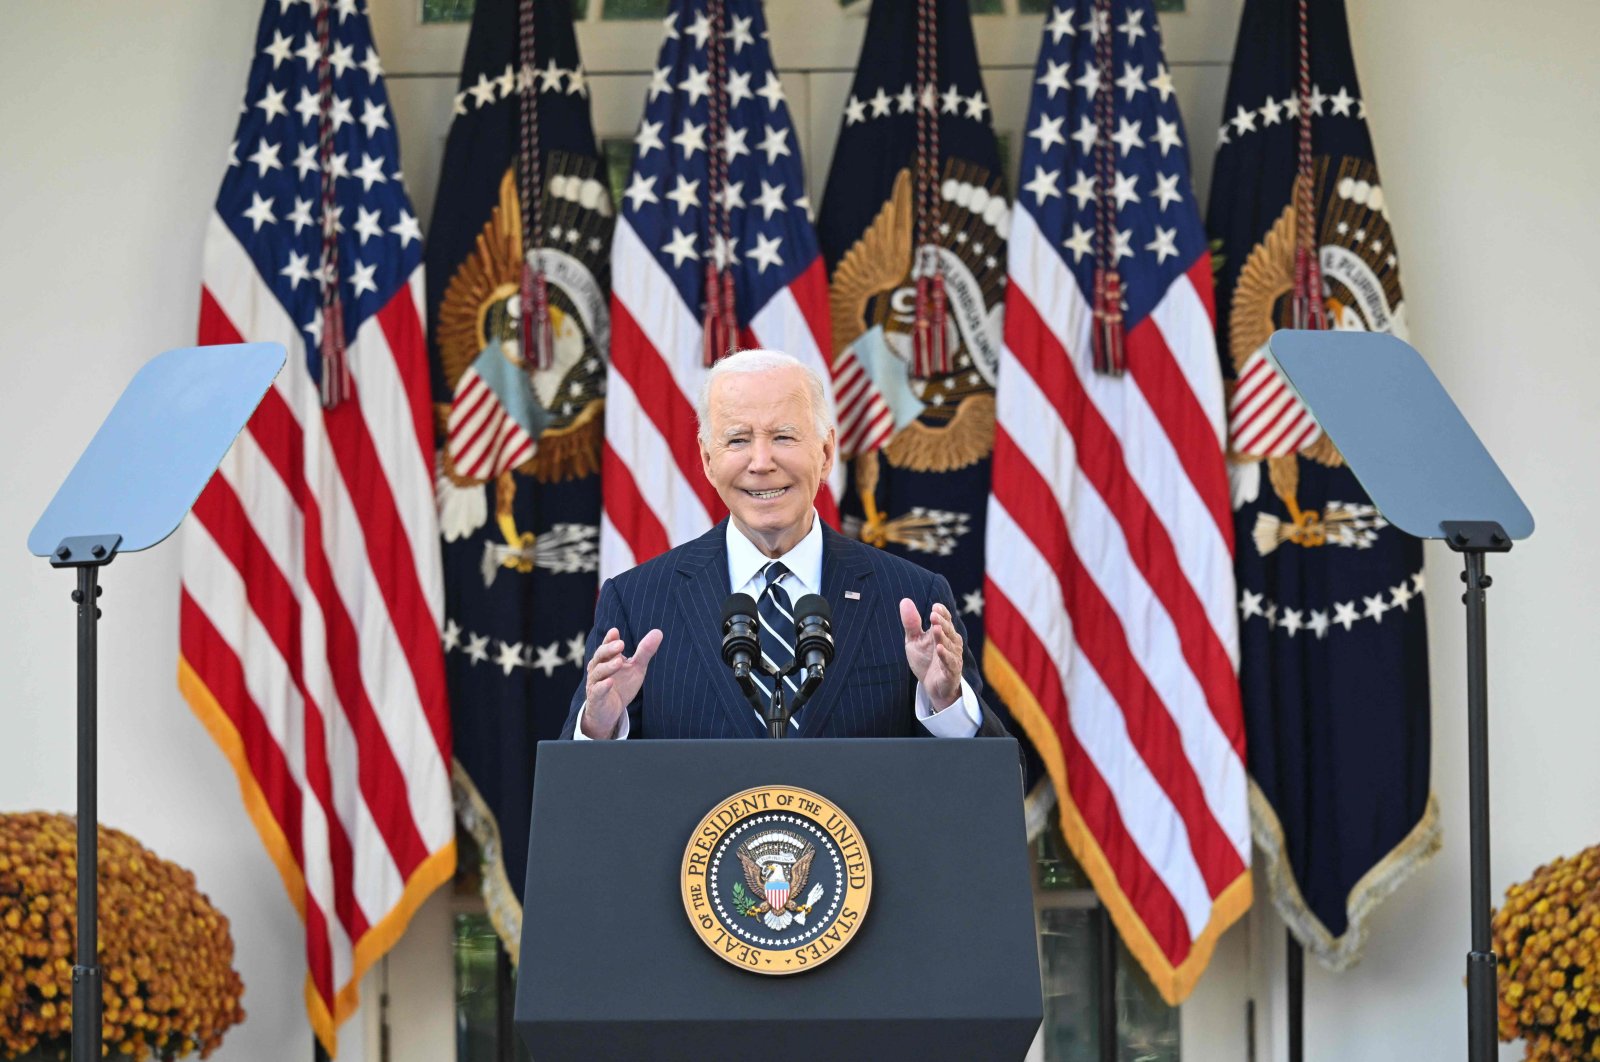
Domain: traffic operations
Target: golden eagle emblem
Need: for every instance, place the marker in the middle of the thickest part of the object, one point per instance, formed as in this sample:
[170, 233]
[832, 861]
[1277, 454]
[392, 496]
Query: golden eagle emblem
[944, 422]
[778, 884]
[504, 419]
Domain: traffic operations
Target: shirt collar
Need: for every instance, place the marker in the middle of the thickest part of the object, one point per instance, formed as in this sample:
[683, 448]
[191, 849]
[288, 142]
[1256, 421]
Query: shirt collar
[745, 561]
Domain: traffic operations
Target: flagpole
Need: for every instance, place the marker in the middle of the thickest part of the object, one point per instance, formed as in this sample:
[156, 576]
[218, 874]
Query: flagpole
[1295, 960]
[505, 1002]
[1107, 983]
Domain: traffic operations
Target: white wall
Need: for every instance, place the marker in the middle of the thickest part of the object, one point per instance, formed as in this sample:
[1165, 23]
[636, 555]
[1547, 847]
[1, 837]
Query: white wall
[114, 116]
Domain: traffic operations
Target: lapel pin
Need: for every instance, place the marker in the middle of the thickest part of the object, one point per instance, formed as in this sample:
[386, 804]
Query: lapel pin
[852, 595]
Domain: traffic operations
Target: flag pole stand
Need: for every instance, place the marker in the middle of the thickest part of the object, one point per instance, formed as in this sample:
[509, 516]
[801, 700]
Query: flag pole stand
[1474, 539]
[88, 554]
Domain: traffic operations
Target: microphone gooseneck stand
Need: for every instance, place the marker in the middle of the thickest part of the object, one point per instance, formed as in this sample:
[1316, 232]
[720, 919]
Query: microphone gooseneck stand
[741, 651]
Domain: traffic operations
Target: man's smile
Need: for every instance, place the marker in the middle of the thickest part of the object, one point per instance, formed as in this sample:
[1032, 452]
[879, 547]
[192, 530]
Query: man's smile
[764, 495]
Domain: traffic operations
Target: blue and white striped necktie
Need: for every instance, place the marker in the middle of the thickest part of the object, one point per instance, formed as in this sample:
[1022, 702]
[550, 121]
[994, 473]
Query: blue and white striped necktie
[777, 628]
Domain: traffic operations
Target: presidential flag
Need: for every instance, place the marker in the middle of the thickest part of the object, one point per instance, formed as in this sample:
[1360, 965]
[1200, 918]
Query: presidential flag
[1109, 590]
[1334, 665]
[519, 398]
[714, 250]
[312, 597]
[913, 230]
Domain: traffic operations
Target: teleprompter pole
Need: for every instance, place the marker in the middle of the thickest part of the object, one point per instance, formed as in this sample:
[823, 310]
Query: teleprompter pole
[1474, 539]
[86, 1002]
[88, 555]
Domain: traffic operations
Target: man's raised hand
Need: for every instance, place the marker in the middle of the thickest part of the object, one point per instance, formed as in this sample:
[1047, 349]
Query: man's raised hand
[613, 681]
[933, 654]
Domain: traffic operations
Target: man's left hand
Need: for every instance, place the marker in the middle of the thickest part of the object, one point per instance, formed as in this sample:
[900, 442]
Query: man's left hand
[935, 654]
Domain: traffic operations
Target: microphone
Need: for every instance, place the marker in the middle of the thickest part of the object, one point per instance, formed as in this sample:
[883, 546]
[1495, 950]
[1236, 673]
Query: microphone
[740, 647]
[813, 645]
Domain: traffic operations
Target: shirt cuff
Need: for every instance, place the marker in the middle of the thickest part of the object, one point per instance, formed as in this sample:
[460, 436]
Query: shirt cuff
[961, 719]
[622, 725]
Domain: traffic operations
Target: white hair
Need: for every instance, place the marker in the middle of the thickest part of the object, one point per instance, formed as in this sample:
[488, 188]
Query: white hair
[751, 361]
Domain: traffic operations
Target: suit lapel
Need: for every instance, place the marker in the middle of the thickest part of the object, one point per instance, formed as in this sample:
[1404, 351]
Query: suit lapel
[703, 581]
[844, 567]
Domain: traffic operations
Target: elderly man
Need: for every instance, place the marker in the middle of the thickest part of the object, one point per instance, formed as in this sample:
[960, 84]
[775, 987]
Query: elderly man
[766, 445]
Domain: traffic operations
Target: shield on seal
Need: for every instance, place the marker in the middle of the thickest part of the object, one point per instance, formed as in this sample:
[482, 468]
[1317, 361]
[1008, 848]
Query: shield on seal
[777, 890]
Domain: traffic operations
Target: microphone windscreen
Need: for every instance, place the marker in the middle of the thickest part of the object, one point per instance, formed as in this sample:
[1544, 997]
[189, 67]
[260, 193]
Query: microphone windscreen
[813, 605]
[739, 605]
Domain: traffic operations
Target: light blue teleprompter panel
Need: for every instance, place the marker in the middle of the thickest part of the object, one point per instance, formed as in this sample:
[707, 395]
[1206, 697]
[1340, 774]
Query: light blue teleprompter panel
[1400, 433]
[153, 455]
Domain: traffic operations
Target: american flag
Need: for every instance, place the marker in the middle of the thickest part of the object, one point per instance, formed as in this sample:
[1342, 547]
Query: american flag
[655, 493]
[312, 593]
[1109, 587]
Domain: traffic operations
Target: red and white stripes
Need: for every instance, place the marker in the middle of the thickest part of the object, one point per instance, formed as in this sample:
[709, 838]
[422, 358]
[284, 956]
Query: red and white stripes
[865, 421]
[1109, 601]
[1265, 419]
[481, 436]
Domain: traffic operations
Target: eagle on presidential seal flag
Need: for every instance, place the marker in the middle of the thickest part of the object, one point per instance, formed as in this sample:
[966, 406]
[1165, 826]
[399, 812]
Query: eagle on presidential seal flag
[1333, 639]
[913, 229]
[519, 322]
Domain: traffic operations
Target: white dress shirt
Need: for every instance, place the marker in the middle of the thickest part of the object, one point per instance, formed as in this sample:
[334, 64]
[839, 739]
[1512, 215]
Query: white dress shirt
[961, 718]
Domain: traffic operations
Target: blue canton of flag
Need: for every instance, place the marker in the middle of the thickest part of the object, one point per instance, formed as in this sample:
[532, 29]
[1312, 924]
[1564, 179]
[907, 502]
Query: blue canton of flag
[1157, 235]
[734, 203]
[772, 241]
[271, 195]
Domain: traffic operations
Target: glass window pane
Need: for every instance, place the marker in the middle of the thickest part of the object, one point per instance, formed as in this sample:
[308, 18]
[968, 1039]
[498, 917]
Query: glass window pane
[477, 1002]
[461, 10]
[618, 152]
[1067, 953]
[1147, 1029]
[1057, 868]
[624, 9]
[1069, 948]
[446, 11]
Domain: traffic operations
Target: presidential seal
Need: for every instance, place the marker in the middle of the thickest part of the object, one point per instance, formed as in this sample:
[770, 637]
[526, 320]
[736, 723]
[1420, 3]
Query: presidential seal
[776, 880]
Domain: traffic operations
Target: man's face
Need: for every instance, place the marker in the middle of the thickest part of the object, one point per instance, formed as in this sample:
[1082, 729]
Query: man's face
[763, 454]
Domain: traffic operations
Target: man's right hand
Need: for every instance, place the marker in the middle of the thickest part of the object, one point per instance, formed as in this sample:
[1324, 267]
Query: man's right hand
[614, 681]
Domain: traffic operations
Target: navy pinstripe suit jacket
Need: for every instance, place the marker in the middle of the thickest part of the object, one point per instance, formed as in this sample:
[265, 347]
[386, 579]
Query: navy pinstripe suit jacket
[689, 692]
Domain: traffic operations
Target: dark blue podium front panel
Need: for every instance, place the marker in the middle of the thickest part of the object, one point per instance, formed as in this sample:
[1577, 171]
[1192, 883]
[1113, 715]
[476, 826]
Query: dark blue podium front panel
[944, 965]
